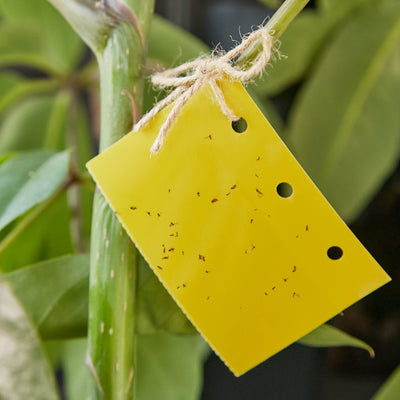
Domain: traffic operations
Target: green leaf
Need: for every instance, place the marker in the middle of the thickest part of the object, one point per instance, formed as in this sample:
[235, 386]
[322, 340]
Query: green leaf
[25, 89]
[268, 109]
[29, 178]
[271, 3]
[25, 125]
[59, 308]
[50, 30]
[156, 310]
[328, 6]
[8, 82]
[47, 237]
[329, 336]
[169, 367]
[301, 45]
[309, 30]
[345, 128]
[171, 45]
[391, 388]
[24, 371]
[55, 295]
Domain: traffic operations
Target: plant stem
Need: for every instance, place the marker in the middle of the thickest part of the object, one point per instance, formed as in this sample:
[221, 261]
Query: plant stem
[117, 35]
[286, 13]
[276, 26]
[111, 345]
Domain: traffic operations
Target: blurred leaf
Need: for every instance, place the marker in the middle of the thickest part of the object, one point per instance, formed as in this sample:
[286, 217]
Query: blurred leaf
[51, 30]
[329, 336]
[20, 44]
[55, 295]
[156, 310]
[268, 109]
[271, 3]
[47, 237]
[169, 367]
[25, 125]
[391, 388]
[83, 146]
[24, 89]
[59, 308]
[76, 372]
[8, 82]
[170, 45]
[24, 371]
[56, 127]
[328, 6]
[352, 96]
[299, 44]
[29, 178]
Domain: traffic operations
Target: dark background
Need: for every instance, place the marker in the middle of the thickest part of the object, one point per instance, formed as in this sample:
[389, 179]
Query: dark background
[301, 372]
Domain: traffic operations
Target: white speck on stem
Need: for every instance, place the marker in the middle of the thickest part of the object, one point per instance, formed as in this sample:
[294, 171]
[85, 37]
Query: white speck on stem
[125, 307]
[112, 273]
[117, 366]
[102, 327]
[127, 52]
[122, 256]
[107, 243]
[111, 331]
[105, 232]
[97, 255]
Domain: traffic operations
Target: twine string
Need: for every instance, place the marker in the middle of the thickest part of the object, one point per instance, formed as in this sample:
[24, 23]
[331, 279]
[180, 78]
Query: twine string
[189, 77]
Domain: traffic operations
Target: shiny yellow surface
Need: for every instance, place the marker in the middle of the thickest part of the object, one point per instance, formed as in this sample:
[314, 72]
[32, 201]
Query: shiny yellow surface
[249, 267]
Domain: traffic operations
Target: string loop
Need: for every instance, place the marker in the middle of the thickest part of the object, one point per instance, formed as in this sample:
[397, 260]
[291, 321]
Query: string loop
[188, 78]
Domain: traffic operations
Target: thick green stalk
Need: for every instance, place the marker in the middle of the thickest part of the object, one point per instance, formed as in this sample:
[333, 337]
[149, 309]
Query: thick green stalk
[117, 34]
[111, 348]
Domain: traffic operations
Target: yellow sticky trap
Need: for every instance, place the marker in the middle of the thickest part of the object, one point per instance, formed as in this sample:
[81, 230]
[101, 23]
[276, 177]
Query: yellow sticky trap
[234, 228]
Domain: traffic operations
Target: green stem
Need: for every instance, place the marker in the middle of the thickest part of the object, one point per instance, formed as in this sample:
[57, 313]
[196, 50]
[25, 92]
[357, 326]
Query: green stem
[286, 13]
[276, 26]
[111, 339]
[117, 34]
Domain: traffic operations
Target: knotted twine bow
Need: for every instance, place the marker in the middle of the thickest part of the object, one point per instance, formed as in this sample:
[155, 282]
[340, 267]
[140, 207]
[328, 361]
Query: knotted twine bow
[188, 78]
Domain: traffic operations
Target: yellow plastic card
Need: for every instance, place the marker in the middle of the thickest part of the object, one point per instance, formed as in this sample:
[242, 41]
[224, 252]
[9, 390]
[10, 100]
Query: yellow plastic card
[234, 228]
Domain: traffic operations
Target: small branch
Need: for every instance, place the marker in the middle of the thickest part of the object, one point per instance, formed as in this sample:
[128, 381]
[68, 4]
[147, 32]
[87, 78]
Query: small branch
[276, 26]
[286, 13]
